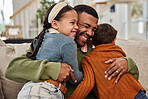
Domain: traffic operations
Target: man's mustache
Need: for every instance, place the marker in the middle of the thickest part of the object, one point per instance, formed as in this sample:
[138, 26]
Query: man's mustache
[83, 33]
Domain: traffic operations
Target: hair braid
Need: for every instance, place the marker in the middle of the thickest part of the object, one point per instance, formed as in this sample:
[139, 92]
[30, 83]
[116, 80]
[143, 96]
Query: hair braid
[40, 38]
[37, 37]
[35, 50]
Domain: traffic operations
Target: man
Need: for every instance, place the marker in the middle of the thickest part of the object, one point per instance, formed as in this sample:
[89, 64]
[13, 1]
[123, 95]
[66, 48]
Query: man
[22, 69]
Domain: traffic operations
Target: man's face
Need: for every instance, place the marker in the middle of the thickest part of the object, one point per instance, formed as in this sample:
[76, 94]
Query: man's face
[87, 26]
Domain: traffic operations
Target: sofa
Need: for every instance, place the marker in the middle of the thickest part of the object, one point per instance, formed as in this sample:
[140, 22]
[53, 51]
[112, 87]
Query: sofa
[136, 49]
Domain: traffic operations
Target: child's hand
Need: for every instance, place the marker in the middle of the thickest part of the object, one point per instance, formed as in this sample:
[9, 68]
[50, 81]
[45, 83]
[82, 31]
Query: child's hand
[73, 77]
[65, 73]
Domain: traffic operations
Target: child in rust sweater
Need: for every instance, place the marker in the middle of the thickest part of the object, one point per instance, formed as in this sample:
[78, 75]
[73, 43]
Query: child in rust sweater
[93, 66]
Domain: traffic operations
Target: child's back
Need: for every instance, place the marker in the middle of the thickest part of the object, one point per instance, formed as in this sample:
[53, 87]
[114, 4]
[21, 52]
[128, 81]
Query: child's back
[54, 47]
[127, 87]
[57, 47]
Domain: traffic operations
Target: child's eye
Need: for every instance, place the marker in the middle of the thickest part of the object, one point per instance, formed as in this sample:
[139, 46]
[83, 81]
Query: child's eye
[73, 22]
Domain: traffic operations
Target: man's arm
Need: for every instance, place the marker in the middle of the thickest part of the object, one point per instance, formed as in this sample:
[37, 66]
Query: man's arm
[122, 65]
[86, 84]
[23, 69]
[132, 67]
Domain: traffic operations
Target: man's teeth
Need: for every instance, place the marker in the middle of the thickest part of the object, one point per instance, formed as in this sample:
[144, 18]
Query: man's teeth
[84, 38]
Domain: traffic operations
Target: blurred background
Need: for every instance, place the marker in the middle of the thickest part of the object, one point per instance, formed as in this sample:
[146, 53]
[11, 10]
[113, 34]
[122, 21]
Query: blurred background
[22, 19]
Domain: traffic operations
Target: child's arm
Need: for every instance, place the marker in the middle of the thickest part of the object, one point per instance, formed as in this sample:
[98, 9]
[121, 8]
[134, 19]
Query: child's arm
[87, 84]
[69, 55]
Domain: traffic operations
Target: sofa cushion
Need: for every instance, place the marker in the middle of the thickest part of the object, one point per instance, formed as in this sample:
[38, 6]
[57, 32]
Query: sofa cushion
[9, 88]
[1, 91]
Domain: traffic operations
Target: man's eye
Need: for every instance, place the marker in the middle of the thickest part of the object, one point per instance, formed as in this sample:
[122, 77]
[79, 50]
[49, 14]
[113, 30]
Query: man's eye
[86, 26]
[73, 22]
[94, 30]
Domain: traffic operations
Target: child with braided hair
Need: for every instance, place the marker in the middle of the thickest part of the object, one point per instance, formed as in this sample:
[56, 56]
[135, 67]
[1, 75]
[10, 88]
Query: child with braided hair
[55, 43]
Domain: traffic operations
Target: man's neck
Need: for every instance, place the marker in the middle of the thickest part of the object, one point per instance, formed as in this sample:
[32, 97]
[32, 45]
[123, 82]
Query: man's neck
[78, 48]
[82, 48]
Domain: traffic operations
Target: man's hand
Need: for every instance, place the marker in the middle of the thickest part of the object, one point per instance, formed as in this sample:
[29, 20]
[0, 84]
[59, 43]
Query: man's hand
[118, 67]
[65, 73]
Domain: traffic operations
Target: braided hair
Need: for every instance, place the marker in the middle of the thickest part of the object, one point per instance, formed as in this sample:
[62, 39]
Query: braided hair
[46, 25]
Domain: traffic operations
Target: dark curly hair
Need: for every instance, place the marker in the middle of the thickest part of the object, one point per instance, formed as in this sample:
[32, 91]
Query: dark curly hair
[87, 9]
[105, 34]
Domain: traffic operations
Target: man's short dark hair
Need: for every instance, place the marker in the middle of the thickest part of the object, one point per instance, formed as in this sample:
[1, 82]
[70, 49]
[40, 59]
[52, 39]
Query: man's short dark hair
[105, 34]
[87, 9]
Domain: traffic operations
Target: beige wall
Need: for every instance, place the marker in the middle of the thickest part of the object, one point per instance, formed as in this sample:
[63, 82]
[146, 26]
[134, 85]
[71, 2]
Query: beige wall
[24, 14]
[19, 4]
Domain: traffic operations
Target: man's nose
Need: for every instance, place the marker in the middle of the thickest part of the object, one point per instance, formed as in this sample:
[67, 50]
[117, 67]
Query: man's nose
[90, 32]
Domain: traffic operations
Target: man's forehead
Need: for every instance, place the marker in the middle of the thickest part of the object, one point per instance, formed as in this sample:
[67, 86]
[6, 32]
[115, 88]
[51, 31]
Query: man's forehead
[85, 18]
[90, 25]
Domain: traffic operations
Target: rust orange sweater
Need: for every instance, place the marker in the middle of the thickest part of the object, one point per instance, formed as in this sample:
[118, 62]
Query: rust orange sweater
[94, 67]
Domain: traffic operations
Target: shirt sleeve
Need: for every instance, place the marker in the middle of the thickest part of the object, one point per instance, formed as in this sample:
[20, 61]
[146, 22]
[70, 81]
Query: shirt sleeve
[22, 69]
[69, 56]
[87, 84]
[132, 67]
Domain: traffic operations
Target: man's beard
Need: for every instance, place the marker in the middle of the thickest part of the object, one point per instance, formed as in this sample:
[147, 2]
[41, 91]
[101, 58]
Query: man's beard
[77, 39]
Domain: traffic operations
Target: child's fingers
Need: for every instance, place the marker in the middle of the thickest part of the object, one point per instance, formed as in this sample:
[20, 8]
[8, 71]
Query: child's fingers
[71, 69]
[72, 76]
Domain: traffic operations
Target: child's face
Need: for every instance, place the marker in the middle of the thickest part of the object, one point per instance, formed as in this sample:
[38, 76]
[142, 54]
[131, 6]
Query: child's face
[68, 24]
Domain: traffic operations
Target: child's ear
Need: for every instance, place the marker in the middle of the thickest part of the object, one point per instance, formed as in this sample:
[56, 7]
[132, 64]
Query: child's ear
[54, 24]
[114, 41]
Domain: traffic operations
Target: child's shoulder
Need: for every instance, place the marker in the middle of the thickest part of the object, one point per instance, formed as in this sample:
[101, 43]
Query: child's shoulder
[65, 38]
[59, 37]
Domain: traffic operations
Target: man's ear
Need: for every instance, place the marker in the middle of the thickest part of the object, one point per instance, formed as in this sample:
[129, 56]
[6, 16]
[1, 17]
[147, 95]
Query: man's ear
[54, 24]
[114, 41]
